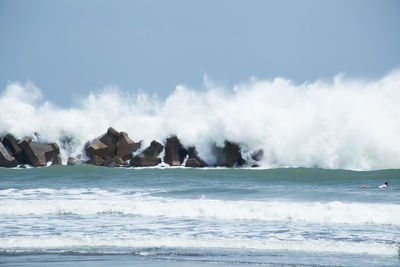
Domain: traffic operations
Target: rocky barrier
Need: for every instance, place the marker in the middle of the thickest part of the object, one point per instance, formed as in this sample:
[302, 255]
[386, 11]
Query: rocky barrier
[117, 149]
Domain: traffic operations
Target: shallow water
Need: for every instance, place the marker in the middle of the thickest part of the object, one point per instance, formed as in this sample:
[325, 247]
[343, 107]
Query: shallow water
[96, 216]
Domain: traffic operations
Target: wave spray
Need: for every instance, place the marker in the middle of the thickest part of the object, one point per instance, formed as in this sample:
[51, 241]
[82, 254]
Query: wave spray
[346, 124]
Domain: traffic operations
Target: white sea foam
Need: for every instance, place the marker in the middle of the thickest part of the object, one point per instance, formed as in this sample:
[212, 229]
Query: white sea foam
[348, 124]
[97, 201]
[112, 245]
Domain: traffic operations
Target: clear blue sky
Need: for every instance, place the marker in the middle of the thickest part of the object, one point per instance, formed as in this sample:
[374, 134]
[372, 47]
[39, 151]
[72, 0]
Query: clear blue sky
[69, 48]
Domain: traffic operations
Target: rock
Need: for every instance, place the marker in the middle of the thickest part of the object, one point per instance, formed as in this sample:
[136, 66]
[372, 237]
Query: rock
[114, 162]
[6, 159]
[109, 162]
[175, 153]
[110, 139]
[153, 150]
[112, 149]
[126, 146]
[149, 157]
[105, 145]
[96, 160]
[194, 161]
[97, 148]
[72, 161]
[31, 152]
[53, 152]
[257, 155]
[11, 143]
[229, 155]
[56, 160]
[45, 152]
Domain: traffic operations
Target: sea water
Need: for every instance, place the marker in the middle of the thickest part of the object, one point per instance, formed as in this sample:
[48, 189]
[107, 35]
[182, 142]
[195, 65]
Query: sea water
[343, 133]
[95, 216]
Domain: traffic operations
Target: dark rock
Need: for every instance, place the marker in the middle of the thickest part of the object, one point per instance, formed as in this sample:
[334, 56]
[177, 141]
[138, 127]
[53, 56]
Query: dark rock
[144, 162]
[31, 152]
[112, 149]
[229, 155]
[6, 158]
[44, 152]
[97, 148]
[96, 160]
[110, 139]
[257, 155]
[53, 151]
[153, 150]
[193, 160]
[72, 161]
[126, 146]
[56, 160]
[114, 162]
[175, 153]
[11, 143]
[109, 162]
[105, 145]
[149, 157]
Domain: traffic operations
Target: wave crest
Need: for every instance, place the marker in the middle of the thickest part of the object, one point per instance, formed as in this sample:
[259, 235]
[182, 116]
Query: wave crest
[347, 124]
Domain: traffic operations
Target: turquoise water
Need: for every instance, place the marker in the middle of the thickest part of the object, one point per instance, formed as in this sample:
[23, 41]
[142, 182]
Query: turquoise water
[94, 216]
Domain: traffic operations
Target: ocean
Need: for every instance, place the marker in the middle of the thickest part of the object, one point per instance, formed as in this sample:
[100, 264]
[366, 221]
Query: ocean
[96, 216]
[303, 206]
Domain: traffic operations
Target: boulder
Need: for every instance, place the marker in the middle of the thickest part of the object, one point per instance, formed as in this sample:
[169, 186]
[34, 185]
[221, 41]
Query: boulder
[72, 161]
[56, 160]
[175, 153]
[97, 148]
[257, 155]
[110, 139]
[96, 160]
[6, 158]
[115, 162]
[126, 146]
[109, 162]
[53, 151]
[11, 143]
[112, 149]
[44, 152]
[193, 160]
[34, 152]
[149, 157]
[229, 155]
[105, 145]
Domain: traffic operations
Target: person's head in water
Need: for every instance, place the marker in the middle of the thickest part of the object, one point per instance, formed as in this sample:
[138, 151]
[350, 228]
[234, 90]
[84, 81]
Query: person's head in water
[385, 185]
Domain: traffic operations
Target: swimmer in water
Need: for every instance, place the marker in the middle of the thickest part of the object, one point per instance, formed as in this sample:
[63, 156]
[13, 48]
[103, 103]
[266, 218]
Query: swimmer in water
[385, 185]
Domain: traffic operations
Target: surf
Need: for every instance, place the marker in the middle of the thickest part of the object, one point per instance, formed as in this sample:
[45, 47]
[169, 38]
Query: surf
[342, 124]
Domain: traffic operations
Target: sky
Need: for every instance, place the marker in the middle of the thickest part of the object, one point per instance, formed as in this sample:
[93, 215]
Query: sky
[71, 48]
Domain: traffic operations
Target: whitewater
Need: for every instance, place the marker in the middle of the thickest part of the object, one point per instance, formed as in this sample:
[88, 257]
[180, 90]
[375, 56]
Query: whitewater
[98, 216]
[345, 123]
[314, 199]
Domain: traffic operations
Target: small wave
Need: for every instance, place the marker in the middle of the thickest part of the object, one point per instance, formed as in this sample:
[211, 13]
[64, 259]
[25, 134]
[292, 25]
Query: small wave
[143, 246]
[97, 201]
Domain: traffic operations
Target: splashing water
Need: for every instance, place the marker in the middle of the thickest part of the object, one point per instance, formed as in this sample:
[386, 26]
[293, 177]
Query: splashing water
[347, 123]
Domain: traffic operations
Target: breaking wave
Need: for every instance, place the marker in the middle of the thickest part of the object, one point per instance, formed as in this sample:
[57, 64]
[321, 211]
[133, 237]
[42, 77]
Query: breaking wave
[43, 201]
[98, 245]
[346, 123]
